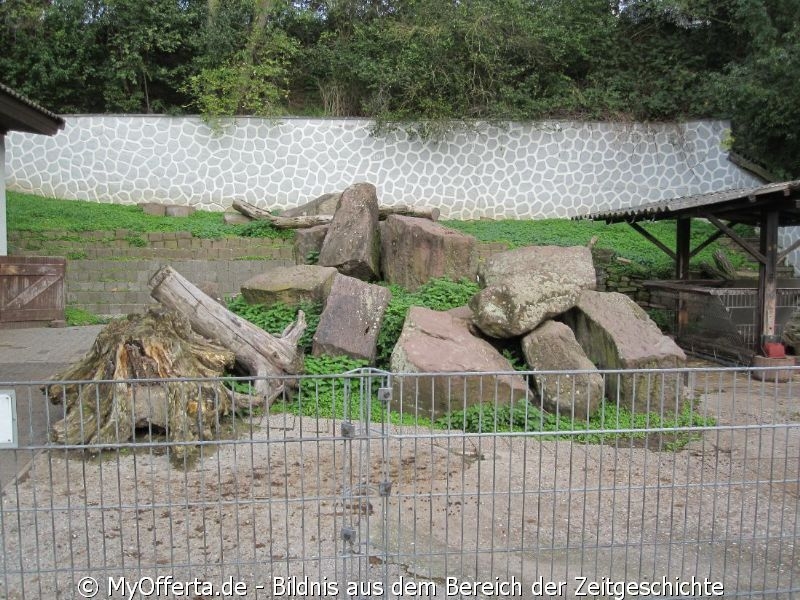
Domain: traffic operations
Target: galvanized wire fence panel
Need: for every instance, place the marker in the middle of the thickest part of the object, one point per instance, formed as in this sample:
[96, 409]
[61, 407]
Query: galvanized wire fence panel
[360, 485]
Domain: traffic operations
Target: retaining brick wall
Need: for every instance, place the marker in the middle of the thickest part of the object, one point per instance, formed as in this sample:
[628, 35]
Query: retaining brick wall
[107, 272]
[120, 287]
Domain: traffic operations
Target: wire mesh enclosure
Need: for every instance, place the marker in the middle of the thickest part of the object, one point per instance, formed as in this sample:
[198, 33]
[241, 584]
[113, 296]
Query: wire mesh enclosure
[721, 317]
[342, 490]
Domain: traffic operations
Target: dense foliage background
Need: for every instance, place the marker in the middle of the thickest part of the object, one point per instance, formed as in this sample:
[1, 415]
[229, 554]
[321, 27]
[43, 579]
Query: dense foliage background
[430, 62]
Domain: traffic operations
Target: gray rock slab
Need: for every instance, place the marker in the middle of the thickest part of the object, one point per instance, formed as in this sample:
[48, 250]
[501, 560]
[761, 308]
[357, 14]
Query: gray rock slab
[231, 218]
[552, 347]
[414, 250]
[322, 205]
[308, 241]
[526, 286]
[616, 333]
[175, 210]
[352, 319]
[440, 342]
[352, 244]
[153, 208]
[290, 285]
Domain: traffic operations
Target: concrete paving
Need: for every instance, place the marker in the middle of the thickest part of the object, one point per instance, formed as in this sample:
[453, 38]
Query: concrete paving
[35, 355]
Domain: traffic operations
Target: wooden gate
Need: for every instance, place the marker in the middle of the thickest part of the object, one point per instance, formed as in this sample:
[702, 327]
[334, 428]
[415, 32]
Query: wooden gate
[31, 289]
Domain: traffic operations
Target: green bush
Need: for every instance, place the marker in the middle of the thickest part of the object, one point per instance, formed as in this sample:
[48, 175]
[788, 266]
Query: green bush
[328, 397]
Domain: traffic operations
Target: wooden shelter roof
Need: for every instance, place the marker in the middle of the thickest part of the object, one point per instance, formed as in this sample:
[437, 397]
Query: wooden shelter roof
[744, 205]
[767, 206]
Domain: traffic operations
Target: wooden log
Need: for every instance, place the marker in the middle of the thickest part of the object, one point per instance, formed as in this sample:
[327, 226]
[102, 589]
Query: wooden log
[262, 355]
[304, 222]
[408, 211]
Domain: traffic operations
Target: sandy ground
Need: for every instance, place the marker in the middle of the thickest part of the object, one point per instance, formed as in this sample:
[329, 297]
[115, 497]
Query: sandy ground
[290, 498]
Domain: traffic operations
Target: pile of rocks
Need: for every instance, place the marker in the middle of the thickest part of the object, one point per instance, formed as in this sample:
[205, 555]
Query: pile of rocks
[542, 298]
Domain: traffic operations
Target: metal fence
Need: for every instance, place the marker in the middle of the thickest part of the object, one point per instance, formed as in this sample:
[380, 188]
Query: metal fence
[722, 317]
[379, 485]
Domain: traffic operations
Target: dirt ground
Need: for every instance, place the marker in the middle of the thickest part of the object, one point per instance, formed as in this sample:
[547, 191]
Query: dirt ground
[291, 498]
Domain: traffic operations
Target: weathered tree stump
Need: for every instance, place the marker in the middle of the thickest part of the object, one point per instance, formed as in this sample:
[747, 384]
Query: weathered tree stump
[128, 360]
[162, 369]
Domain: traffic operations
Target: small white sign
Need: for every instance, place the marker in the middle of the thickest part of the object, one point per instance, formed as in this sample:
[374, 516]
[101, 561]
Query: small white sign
[8, 419]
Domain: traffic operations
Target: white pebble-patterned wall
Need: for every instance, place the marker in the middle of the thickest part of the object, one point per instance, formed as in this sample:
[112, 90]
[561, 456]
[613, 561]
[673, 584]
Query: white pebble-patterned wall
[547, 169]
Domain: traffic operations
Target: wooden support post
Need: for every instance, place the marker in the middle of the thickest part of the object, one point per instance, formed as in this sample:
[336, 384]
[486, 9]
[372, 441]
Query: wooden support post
[767, 278]
[682, 256]
[683, 249]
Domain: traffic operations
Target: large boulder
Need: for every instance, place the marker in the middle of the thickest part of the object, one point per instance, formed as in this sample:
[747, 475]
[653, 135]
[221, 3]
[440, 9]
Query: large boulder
[290, 285]
[440, 342]
[552, 347]
[323, 205]
[352, 244]
[526, 286]
[414, 250]
[616, 333]
[352, 319]
[308, 243]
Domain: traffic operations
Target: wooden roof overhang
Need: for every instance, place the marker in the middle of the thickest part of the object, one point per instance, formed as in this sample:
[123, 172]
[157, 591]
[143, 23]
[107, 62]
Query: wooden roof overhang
[768, 207]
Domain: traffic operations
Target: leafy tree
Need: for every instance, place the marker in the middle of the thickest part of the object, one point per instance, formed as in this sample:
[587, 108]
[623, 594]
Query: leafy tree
[425, 65]
[759, 92]
[50, 51]
[148, 44]
[250, 74]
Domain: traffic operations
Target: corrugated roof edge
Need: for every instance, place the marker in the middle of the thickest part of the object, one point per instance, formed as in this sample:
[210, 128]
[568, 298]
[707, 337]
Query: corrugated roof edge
[25, 100]
[694, 200]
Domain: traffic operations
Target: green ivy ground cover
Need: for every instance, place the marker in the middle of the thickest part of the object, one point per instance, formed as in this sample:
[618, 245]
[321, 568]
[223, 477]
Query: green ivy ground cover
[328, 393]
[27, 212]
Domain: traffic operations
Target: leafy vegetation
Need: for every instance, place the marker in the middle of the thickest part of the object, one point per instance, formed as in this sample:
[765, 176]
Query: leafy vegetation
[325, 394]
[274, 319]
[35, 213]
[523, 417]
[424, 65]
[77, 316]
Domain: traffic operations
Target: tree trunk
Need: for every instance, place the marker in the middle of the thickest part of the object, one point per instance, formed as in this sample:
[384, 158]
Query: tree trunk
[304, 222]
[266, 357]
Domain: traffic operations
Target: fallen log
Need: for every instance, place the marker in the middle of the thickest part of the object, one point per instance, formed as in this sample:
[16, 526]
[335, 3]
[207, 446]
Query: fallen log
[307, 221]
[259, 214]
[258, 353]
[108, 404]
[408, 211]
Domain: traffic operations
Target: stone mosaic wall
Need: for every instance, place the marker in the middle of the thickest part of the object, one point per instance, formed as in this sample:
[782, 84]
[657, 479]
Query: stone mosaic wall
[548, 169]
[524, 170]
